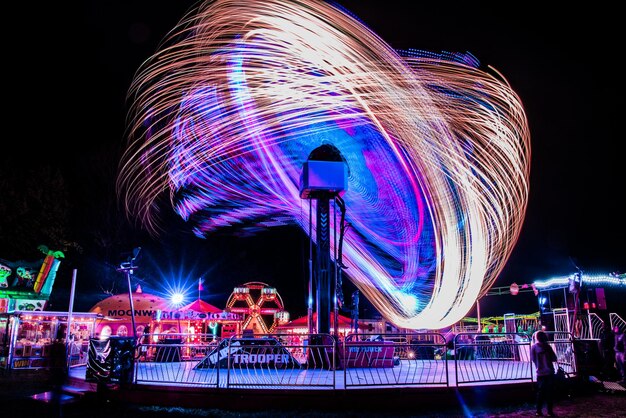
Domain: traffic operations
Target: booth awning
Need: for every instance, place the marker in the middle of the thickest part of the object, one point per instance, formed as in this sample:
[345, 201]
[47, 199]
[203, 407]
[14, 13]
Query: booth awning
[199, 305]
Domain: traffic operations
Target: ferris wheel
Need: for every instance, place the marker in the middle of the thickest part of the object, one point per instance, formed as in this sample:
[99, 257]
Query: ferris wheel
[260, 305]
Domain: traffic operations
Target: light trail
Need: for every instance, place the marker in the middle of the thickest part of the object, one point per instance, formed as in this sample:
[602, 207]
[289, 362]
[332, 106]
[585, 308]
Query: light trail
[227, 111]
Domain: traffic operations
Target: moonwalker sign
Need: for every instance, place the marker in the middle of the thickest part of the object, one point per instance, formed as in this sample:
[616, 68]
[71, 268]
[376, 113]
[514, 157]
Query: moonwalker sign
[249, 352]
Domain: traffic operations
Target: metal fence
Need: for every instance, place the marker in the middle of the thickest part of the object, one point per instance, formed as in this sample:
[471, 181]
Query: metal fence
[171, 359]
[319, 361]
[394, 360]
[617, 321]
[482, 357]
[592, 326]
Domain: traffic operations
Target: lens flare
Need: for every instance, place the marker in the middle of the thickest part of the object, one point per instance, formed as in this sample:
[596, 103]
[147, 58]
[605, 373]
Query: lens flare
[226, 112]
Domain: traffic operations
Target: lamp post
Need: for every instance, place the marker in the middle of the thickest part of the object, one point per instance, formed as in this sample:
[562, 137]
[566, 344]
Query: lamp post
[127, 268]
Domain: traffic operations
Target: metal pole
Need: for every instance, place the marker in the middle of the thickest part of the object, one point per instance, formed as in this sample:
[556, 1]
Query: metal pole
[71, 308]
[127, 267]
[130, 298]
[334, 290]
[310, 300]
[323, 265]
[68, 339]
[480, 328]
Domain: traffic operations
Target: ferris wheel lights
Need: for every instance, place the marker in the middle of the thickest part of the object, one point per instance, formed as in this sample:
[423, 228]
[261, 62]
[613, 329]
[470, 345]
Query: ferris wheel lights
[282, 317]
[263, 308]
[269, 293]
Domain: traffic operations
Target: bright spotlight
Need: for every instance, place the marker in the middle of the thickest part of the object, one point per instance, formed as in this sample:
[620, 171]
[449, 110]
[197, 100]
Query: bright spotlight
[177, 299]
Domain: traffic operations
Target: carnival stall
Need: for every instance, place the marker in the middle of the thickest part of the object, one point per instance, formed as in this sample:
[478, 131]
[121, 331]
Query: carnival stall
[26, 337]
[188, 331]
[199, 318]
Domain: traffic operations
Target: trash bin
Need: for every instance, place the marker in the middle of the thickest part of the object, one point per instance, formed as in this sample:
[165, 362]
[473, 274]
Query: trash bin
[111, 360]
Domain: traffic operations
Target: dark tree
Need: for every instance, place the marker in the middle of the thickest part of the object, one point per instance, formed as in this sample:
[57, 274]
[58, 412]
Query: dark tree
[34, 209]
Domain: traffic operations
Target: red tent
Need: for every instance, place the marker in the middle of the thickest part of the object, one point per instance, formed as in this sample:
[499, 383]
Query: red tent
[201, 306]
[344, 321]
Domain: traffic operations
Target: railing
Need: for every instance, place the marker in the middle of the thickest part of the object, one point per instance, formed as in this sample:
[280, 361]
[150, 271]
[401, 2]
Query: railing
[591, 326]
[273, 361]
[170, 359]
[563, 345]
[277, 361]
[318, 361]
[561, 319]
[491, 357]
[617, 321]
[394, 360]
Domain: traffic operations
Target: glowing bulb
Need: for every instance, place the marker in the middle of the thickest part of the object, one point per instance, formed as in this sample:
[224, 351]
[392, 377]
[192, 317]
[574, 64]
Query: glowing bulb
[177, 298]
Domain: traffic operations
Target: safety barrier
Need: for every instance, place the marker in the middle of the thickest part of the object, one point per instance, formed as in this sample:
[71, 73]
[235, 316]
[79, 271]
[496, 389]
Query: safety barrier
[491, 357]
[359, 360]
[394, 360]
[592, 326]
[170, 359]
[617, 321]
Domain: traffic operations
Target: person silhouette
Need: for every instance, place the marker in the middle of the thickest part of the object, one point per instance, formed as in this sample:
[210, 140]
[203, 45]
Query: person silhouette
[543, 357]
[58, 374]
[620, 349]
[144, 343]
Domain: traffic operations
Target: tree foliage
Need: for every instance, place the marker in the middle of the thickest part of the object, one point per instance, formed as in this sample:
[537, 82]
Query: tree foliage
[34, 209]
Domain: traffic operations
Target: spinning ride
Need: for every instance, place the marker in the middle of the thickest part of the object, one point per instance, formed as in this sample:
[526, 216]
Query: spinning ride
[437, 148]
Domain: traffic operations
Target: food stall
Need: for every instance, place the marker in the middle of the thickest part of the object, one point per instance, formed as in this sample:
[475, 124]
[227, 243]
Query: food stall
[26, 337]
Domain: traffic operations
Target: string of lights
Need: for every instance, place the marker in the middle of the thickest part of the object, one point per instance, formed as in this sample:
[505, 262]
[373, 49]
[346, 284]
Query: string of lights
[583, 280]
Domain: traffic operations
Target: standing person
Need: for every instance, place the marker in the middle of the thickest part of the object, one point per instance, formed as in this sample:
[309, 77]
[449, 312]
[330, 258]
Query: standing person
[144, 343]
[607, 345]
[543, 357]
[620, 349]
[58, 374]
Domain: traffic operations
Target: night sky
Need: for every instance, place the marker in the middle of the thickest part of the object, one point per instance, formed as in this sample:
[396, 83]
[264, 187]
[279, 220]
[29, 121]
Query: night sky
[70, 68]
